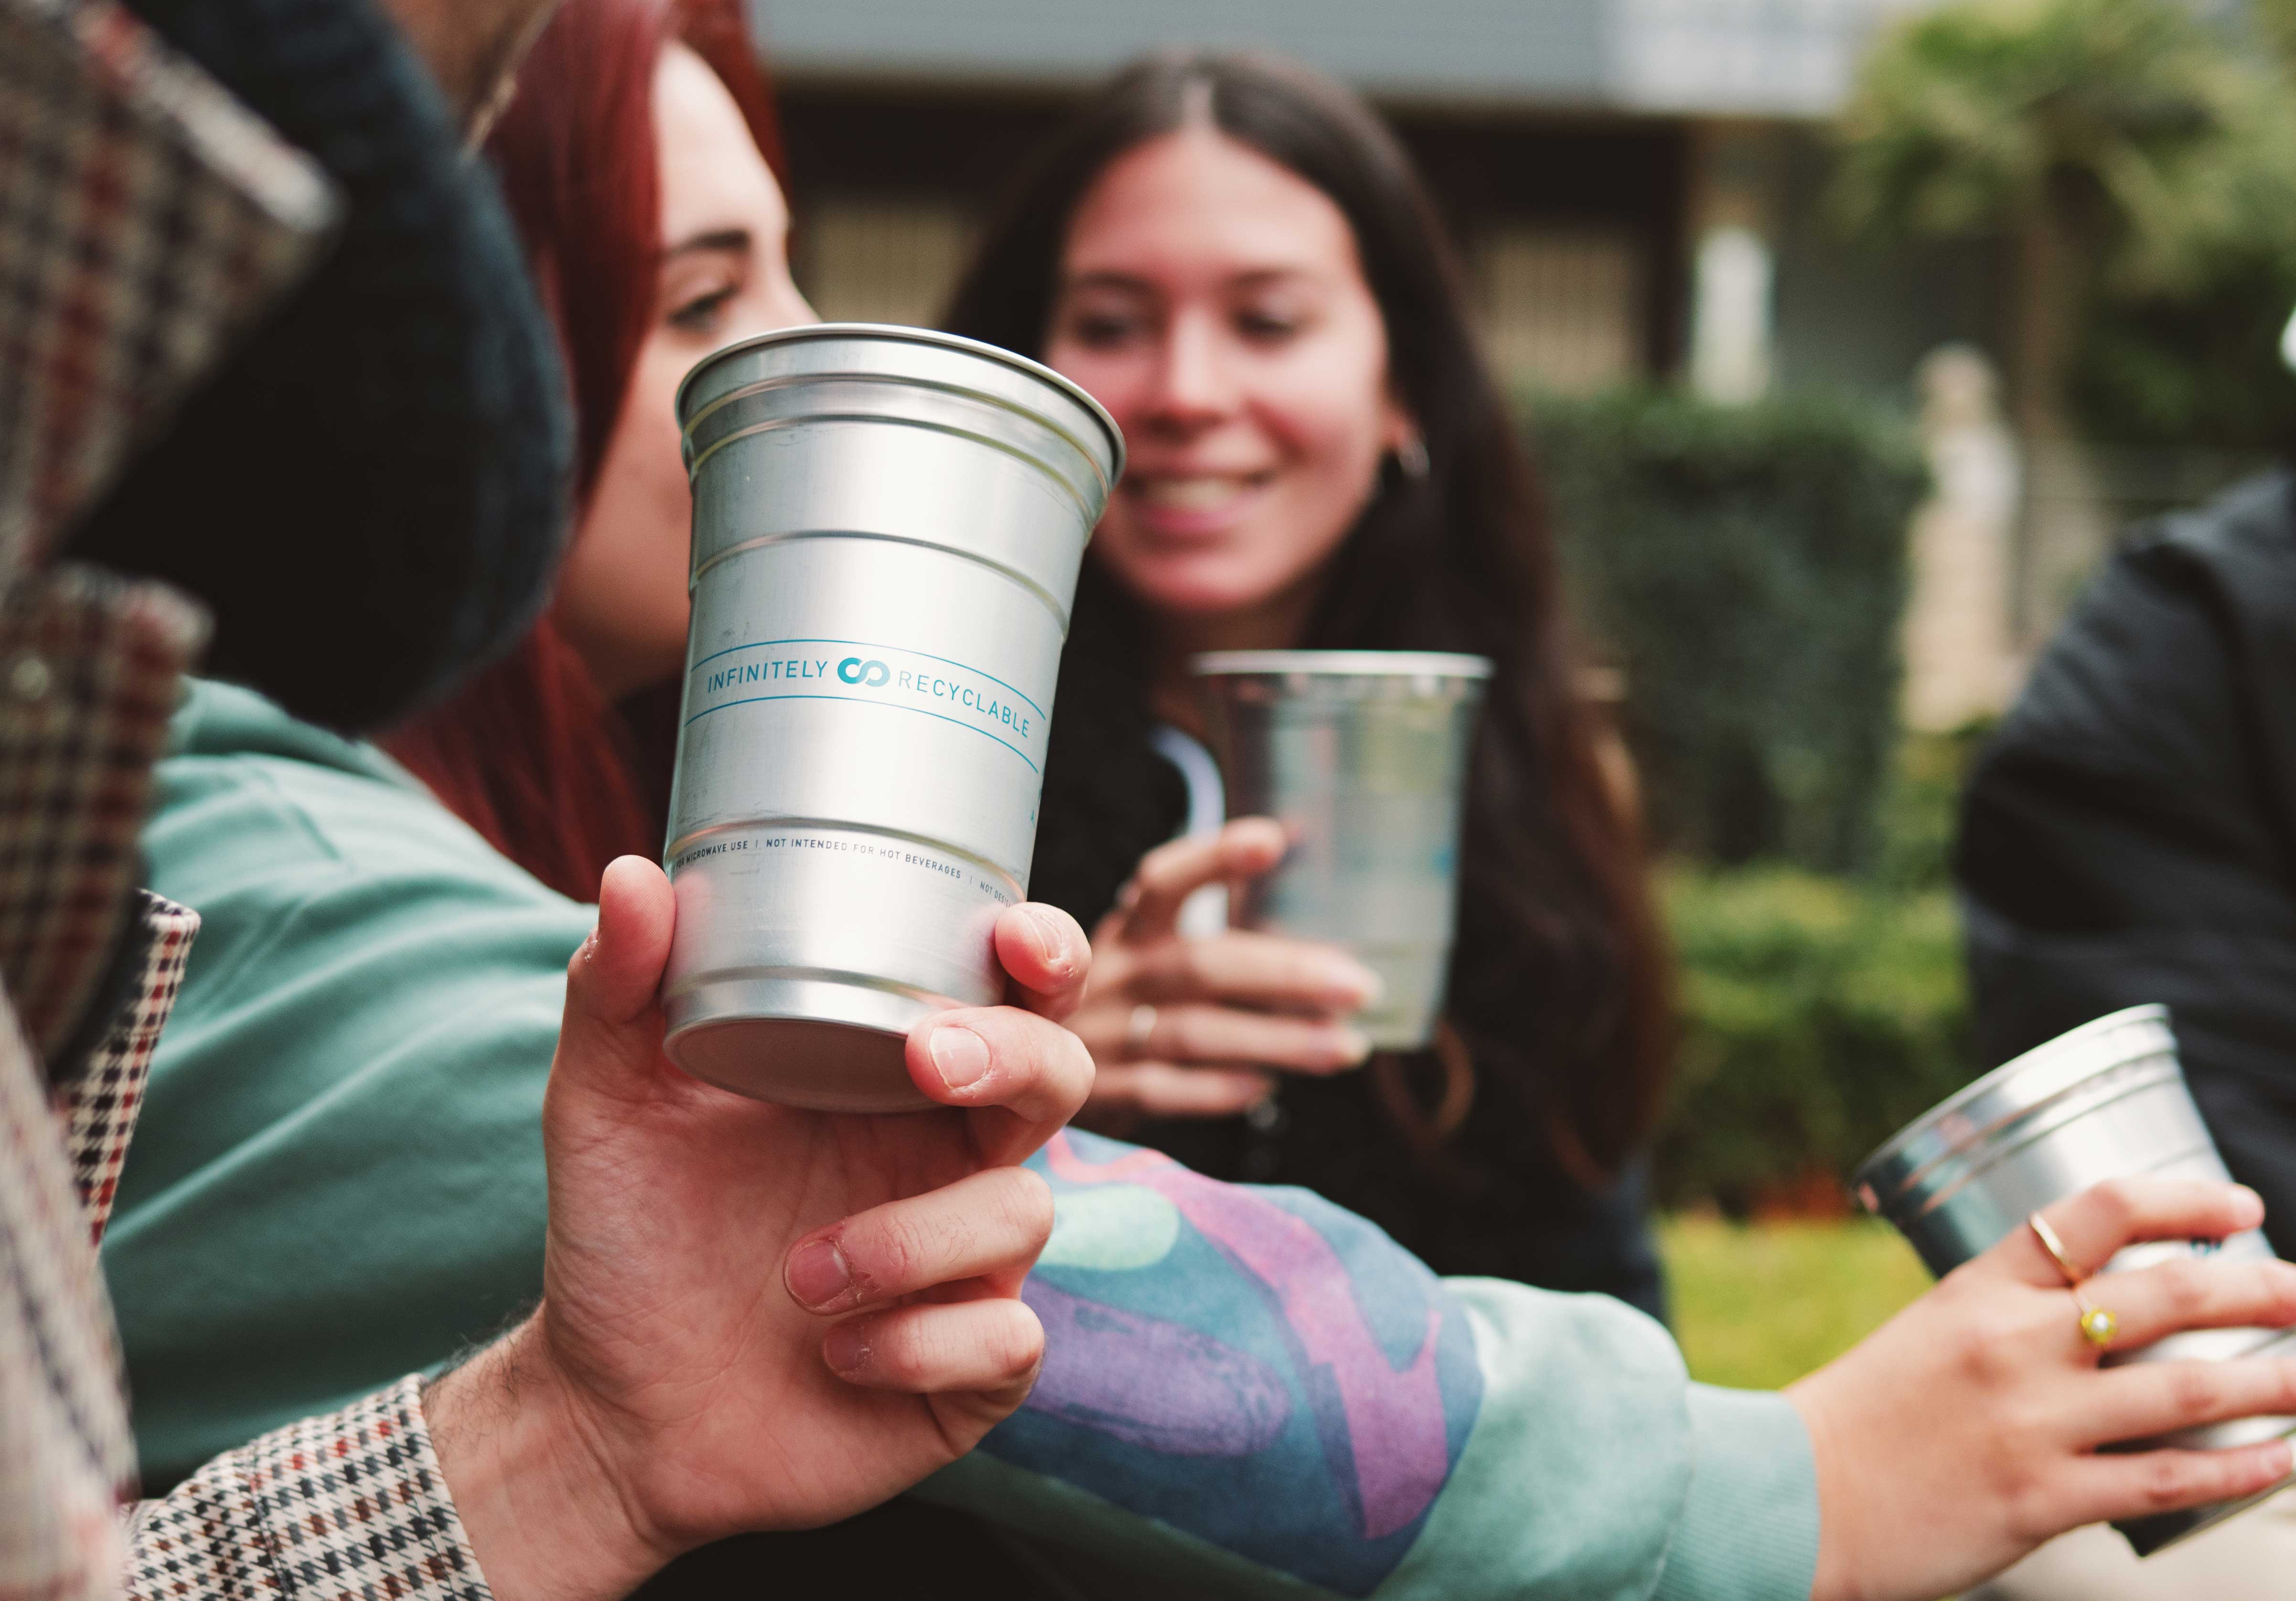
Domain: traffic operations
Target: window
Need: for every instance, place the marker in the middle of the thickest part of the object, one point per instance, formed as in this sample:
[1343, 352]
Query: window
[1562, 306]
[873, 260]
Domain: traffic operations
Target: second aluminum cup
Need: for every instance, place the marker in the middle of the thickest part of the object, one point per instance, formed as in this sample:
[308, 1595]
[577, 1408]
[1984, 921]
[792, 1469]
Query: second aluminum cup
[1362, 756]
[887, 527]
[2105, 1101]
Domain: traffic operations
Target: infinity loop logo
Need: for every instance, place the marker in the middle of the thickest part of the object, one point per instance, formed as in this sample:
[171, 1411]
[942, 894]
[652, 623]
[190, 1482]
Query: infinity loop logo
[869, 675]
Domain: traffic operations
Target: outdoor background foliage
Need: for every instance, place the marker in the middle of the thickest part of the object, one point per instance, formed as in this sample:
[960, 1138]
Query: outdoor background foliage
[1819, 1017]
[2133, 163]
[1820, 1014]
[2139, 158]
[1745, 567]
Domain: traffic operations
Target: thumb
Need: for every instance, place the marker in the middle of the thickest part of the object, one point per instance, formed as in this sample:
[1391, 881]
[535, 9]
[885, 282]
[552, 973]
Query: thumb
[613, 1018]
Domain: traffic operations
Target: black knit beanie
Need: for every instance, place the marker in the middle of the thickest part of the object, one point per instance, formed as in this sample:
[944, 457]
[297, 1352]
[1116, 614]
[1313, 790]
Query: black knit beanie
[371, 492]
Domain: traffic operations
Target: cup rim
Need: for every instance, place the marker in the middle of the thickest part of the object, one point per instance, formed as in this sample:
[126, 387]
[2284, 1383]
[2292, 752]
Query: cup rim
[2013, 1091]
[903, 334]
[1342, 664]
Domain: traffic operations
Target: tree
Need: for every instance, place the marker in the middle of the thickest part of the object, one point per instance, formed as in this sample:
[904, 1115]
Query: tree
[2181, 344]
[2080, 129]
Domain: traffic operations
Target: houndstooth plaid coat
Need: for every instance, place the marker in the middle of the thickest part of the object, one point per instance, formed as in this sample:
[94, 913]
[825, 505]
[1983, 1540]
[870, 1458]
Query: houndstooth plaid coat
[145, 218]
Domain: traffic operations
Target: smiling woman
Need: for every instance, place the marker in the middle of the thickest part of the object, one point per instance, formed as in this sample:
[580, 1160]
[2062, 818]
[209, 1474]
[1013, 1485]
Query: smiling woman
[1234, 257]
[638, 158]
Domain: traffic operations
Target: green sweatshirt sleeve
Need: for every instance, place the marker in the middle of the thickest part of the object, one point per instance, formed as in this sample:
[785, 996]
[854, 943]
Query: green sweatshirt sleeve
[1248, 1391]
[1748, 1526]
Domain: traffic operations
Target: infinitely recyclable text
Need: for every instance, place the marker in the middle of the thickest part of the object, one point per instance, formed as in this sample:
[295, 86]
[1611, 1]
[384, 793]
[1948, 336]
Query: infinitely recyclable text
[841, 670]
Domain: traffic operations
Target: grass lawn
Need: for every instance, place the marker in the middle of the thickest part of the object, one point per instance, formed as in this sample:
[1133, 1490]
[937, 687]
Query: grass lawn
[1758, 1305]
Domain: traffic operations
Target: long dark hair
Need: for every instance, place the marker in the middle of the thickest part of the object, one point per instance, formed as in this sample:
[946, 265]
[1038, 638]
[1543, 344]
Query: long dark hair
[1560, 977]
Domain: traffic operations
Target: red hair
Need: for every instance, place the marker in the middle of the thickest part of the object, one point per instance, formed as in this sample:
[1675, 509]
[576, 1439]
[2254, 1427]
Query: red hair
[529, 752]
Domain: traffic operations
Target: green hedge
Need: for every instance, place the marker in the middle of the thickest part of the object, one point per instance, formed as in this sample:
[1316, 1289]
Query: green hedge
[1746, 565]
[1819, 1016]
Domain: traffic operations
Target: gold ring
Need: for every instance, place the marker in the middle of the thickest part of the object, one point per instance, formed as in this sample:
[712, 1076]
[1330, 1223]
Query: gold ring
[1142, 1023]
[2055, 1246]
[2098, 1326]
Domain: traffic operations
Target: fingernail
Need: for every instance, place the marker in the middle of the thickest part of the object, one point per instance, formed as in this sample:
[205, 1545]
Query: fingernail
[2281, 1461]
[1045, 928]
[1266, 832]
[960, 1056]
[847, 1348]
[818, 1273]
[2247, 1206]
[1354, 981]
[1355, 1046]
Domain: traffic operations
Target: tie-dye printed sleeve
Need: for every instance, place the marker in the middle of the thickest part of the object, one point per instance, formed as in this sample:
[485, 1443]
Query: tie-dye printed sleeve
[1252, 1393]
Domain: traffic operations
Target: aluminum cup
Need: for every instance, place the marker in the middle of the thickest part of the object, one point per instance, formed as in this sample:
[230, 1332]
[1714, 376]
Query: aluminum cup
[887, 527]
[2105, 1101]
[1362, 755]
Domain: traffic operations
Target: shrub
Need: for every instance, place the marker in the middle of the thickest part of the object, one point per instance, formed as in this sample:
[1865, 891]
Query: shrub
[1920, 808]
[1819, 1016]
[1746, 565]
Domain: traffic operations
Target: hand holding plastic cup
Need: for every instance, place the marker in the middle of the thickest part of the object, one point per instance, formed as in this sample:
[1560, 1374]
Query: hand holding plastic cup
[1362, 756]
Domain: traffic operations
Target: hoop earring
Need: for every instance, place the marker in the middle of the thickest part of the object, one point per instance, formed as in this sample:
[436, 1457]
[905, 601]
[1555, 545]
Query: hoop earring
[1411, 457]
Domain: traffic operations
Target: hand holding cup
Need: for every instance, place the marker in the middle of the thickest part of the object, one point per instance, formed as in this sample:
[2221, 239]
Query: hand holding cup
[754, 1316]
[1971, 1427]
[1188, 1027]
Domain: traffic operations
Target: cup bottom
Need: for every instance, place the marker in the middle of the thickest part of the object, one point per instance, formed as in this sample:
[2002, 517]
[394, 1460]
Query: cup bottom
[824, 1047]
[1389, 1033]
[1411, 977]
[2148, 1535]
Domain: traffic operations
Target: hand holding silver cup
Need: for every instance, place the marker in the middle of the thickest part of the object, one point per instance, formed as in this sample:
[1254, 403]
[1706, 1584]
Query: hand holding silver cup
[888, 524]
[2105, 1102]
[1362, 757]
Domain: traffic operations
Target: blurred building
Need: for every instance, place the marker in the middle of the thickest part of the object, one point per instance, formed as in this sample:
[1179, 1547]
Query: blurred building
[1637, 185]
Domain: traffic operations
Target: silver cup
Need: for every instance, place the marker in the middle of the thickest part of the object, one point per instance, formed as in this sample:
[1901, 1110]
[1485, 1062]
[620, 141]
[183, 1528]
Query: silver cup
[887, 527]
[1362, 755]
[2105, 1101]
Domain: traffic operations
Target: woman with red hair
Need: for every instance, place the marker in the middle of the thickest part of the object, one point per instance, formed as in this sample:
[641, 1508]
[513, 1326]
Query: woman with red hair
[638, 159]
[653, 220]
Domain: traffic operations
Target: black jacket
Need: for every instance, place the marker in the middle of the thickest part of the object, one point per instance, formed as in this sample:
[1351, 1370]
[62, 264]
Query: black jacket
[2130, 834]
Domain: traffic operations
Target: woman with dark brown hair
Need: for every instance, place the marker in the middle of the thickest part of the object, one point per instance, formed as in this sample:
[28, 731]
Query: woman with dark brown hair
[1235, 257]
